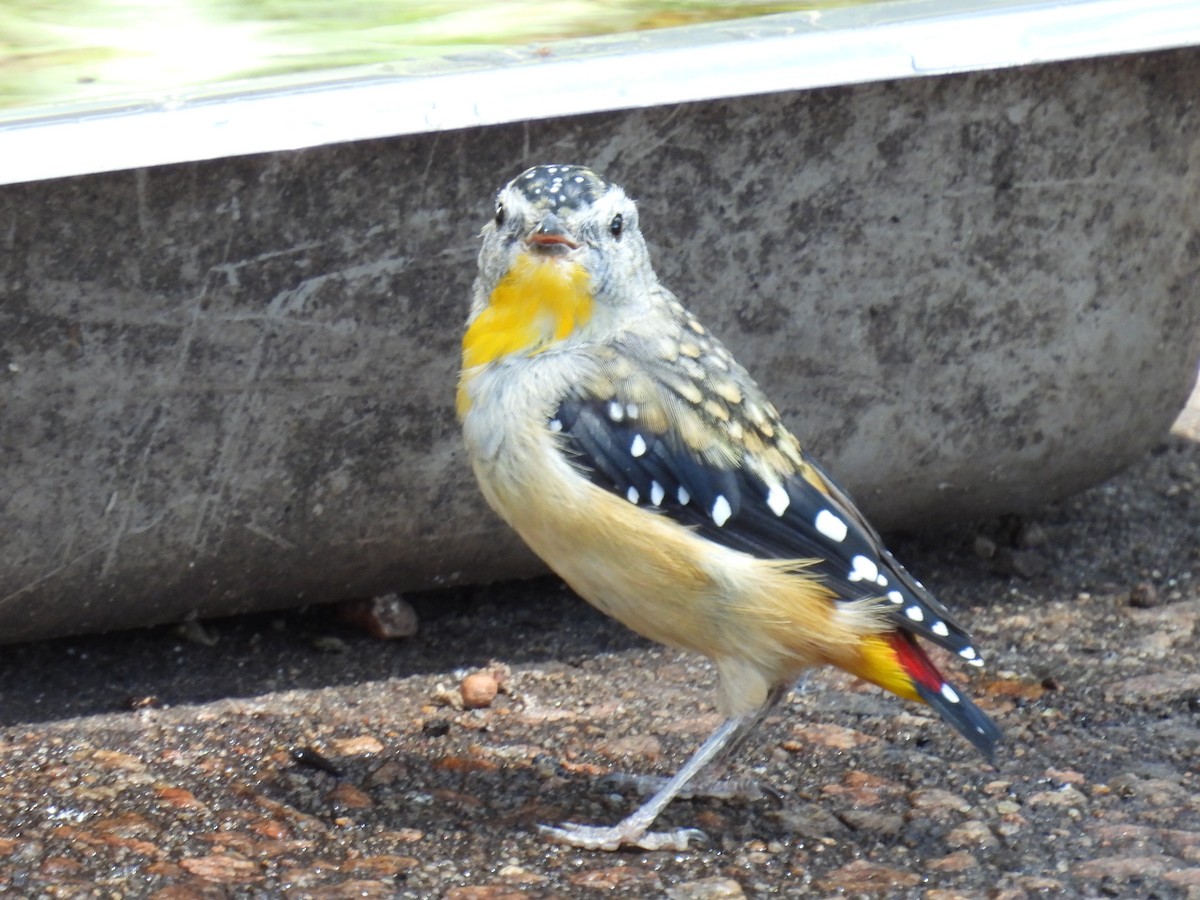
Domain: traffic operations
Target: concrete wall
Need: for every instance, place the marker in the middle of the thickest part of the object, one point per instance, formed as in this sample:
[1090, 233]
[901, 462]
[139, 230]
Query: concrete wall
[229, 385]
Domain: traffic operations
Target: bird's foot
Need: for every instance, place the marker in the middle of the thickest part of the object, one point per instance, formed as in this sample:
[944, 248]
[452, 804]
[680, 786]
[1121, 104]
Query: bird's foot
[613, 837]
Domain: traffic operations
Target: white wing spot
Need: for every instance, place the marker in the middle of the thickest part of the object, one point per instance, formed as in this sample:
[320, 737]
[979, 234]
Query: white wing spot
[632, 495]
[657, 493]
[881, 580]
[556, 425]
[914, 612]
[939, 628]
[949, 693]
[968, 653]
[978, 663]
[896, 597]
[631, 410]
[616, 411]
[721, 510]
[778, 500]
[684, 496]
[638, 446]
[831, 526]
[863, 569]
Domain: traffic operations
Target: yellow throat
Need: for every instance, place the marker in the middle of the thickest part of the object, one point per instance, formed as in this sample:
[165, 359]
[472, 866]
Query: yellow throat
[539, 301]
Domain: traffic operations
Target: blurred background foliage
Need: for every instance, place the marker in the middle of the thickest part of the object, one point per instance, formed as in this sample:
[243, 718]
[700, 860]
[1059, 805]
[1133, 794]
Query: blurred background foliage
[73, 51]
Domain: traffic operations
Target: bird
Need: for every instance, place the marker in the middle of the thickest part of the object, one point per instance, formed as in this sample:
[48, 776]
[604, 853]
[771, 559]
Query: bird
[644, 465]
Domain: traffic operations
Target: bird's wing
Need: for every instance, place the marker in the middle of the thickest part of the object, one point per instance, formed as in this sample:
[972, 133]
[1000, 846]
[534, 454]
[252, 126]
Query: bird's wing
[716, 458]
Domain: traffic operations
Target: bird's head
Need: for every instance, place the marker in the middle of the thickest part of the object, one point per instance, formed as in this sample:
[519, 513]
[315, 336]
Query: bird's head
[562, 260]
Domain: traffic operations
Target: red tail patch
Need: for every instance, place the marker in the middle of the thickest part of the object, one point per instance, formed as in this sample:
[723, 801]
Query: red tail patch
[914, 661]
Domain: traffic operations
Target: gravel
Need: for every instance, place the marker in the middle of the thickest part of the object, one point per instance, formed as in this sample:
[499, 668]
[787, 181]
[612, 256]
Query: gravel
[295, 755]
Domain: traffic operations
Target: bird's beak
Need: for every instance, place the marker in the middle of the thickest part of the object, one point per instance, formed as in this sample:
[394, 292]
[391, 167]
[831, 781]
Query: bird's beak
[551, 237]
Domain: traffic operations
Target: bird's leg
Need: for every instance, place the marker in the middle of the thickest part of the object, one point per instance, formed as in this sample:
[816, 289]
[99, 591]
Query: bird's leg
[633, 830]
[709, 784]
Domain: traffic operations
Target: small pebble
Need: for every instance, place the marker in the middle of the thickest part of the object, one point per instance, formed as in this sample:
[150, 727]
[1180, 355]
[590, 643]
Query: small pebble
[955, 862]
[1032, 534]
[194, 631]
[363, 745]
[1143, 595]
[863, 876]
[715, 888]
[386, 617]
[479, 690]
[984, 546]
[328, 643]
[348, 796]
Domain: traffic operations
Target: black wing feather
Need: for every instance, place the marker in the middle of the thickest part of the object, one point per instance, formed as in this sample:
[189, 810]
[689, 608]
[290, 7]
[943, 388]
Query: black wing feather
[620, 453]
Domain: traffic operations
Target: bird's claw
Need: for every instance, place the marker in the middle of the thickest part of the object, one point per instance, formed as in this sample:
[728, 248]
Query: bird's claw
[595, 837]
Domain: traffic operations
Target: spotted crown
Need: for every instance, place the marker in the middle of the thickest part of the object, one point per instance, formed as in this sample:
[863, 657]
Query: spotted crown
[560, 187]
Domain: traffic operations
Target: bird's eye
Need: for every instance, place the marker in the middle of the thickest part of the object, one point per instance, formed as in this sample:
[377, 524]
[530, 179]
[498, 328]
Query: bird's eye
[499, 214]
[617, 225]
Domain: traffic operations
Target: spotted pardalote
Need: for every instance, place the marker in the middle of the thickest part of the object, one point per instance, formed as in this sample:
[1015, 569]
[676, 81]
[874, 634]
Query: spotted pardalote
[633, 454]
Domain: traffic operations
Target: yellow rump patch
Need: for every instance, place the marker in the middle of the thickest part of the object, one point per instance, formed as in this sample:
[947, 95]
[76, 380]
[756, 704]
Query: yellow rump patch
[878, 663]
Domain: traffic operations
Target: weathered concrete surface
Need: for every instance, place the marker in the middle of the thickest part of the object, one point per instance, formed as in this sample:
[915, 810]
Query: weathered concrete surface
[228, 385]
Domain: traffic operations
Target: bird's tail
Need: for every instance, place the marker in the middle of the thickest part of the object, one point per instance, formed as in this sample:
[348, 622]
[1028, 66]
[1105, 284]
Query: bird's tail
[895, 661]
